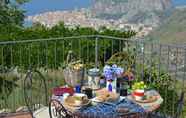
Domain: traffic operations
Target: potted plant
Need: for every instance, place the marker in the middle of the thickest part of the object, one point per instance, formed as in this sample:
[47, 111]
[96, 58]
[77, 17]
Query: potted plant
[138, 90]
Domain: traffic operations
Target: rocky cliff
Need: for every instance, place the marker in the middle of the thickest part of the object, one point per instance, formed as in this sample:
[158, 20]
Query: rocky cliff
[143, 11]
[173, 30]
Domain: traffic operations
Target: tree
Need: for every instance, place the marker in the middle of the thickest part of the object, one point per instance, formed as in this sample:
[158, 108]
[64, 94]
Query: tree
[10, 13]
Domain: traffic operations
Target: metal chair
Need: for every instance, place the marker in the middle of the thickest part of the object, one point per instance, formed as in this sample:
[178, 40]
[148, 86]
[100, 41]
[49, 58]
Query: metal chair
[35, 91]
[57, 110]
[178, 112]
[180, 105]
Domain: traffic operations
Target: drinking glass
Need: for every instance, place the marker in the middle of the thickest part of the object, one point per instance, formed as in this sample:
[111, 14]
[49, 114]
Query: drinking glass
[88, 92]
[124, 89]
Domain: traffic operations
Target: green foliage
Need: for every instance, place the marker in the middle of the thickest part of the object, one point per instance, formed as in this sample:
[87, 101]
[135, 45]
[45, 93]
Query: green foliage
[7, 85]
[139, 85]
[165, 84]
[122, 59]
[44, 53]
[10, 14]
[38, 31]
[20, 2]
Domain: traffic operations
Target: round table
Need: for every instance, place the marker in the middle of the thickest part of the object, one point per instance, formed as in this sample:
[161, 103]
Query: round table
[105, 110]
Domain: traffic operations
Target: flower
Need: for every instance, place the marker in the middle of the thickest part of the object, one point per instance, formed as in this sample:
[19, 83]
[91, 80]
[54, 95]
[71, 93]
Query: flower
[112, 72]
[129, 75]
[139, 85]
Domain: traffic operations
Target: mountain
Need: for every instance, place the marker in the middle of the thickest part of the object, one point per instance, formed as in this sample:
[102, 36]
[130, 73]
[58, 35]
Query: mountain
[148, 12]
[173, 30]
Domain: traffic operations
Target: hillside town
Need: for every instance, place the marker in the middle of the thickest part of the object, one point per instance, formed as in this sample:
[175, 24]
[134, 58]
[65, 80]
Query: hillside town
[83, 18]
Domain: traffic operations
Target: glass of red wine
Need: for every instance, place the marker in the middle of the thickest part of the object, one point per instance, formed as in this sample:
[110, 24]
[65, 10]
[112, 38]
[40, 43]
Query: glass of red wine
[124, 89]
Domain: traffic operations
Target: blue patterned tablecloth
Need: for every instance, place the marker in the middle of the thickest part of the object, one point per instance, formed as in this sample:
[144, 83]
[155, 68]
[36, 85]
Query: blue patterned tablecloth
[109, 110]
[104, 110]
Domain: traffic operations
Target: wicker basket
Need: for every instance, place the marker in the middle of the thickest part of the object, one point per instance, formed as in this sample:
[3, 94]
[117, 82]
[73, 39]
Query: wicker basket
[73, 77]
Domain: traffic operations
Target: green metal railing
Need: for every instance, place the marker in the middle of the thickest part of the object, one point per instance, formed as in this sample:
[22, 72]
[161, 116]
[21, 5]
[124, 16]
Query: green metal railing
[149, 61]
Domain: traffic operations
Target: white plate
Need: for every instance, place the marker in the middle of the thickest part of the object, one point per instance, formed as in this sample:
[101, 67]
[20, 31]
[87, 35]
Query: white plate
[95, 101]
[80, 95]
[121, 98]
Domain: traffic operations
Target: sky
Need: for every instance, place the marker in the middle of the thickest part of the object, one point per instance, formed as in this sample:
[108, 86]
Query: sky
[179, 2]
[40, 6]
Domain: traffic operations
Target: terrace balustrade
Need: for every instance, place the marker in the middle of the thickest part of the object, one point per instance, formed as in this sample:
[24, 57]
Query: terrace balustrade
[149, 61]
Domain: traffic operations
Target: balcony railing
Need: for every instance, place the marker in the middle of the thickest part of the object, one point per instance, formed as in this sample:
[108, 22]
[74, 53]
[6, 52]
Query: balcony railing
[151, 62]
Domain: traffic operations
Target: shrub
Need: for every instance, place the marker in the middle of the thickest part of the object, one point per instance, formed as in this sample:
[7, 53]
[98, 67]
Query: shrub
[165, 85]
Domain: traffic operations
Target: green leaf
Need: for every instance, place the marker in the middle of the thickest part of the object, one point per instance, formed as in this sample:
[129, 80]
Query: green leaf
[22, 1]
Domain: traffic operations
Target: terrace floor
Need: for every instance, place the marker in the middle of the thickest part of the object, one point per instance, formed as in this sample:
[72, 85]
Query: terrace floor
[41, 113]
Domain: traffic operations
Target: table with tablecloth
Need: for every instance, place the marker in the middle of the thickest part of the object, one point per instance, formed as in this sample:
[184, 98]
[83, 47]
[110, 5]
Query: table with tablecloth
[106, 110]
[110, 110]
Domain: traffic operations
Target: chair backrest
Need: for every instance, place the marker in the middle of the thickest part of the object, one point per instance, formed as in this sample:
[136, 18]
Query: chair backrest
[56, 109]
[35, 91]
[180, 105]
